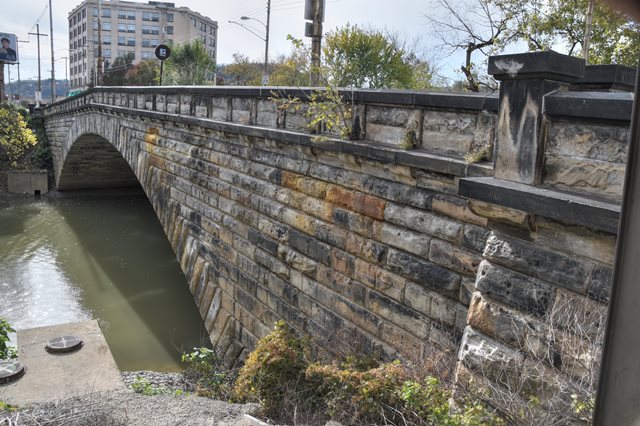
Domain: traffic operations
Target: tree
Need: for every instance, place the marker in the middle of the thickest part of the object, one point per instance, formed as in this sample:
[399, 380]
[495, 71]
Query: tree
[488, 27]
[144, 73]
[15, 137]
[189, 64]
[561, 24]
[292, 70]
[115, 74]
[368, 58]
[243, 72]
[482, 26]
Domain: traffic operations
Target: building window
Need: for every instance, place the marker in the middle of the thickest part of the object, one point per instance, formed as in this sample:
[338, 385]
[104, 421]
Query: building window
[84, 13]
[150, 16]
[70, 34]
[169, 17]
[169, 30]
[148, 55]
[148, 29]
[106, 13]
[122, 28]
[95, 11]
[106, 26]
[122, 41]
[146, 42]
[203, 27]
[155, 42]
[212, 42]
[212, 30]
[84, 27]
[195, 24]
[106, 39]
[126, 14]
[203, 38]
[131, 41]
[95, 24]
[84, 40]
[106, 53]
[131, 28]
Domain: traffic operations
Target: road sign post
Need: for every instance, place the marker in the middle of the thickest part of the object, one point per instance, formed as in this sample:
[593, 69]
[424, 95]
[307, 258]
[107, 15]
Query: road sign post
[162, 53]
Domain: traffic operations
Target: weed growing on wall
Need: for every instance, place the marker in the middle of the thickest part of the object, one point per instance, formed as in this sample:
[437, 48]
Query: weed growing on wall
[6, 351]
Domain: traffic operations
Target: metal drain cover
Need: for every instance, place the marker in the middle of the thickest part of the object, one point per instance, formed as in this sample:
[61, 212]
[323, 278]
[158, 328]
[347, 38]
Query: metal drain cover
[10, 371]
[64, 344]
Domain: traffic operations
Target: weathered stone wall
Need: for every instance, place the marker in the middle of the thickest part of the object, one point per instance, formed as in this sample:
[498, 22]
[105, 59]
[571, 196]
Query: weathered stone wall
[410, 253]
[336, 237]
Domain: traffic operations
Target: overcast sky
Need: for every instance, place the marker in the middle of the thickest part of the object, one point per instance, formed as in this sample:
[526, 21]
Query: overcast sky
[405, 17]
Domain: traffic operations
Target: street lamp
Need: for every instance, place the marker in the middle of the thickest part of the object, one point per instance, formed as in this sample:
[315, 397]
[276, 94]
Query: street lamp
[265, 76]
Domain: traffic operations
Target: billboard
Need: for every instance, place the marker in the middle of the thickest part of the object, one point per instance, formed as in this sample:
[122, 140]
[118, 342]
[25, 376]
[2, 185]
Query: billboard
[8, 48]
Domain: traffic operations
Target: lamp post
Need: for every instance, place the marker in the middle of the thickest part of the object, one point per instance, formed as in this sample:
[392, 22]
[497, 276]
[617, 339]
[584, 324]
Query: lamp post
[265, 76]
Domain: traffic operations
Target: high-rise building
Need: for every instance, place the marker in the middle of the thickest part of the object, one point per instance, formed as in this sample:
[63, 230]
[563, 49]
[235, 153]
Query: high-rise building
[129, 30]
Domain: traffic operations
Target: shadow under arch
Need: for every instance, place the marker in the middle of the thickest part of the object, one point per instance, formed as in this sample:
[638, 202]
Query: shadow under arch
[94, 163]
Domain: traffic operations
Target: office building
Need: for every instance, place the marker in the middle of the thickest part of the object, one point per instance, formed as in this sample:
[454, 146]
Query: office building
[129, 29]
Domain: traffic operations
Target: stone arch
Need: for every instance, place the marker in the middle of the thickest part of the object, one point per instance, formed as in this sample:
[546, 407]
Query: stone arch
[94, 163]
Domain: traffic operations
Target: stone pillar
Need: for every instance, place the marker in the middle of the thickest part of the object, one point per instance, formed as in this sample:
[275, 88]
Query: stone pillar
[524, 81]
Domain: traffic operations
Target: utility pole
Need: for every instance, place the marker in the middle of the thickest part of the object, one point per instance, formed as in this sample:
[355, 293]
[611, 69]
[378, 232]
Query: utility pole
[18, 53]
[53, 73]
[99, 72]
[39, 92]
[587, 32]
[265, 77]
[314, 12]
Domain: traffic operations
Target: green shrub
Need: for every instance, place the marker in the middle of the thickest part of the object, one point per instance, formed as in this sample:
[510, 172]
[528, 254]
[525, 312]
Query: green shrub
[142, 385]
[206, 372]
[275, 372]
[6, 351]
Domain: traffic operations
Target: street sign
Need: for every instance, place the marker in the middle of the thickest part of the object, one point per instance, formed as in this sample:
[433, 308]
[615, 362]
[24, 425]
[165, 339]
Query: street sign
[163, 52]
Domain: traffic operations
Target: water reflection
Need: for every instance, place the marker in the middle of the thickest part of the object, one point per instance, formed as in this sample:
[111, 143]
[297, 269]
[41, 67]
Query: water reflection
[98, 256]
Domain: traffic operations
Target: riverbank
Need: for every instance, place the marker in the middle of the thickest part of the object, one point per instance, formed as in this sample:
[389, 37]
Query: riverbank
[126, 407]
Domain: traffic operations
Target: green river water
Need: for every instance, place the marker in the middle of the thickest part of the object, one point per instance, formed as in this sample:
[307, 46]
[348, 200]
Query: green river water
[98, 256]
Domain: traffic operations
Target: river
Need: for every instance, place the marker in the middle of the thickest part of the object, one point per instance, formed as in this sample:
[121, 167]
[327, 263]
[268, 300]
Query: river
[102, 256]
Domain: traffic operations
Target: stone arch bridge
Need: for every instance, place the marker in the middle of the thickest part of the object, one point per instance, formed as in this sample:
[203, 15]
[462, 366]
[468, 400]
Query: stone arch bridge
[392, 240]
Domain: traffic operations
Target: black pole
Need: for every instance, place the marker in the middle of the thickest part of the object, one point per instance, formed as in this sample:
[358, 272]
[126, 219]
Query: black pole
[618, 390]
[161, 70]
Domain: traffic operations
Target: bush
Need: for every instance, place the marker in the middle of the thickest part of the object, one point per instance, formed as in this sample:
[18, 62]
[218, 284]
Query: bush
[275, 372]
[207, 374]
[279, 376]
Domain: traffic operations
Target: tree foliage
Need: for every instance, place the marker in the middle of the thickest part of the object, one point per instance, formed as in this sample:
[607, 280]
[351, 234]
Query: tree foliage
[243, 71]
[481, 28]
[369, 58]
[116, 71]
[189, 64]
[144, 73]
[15, 136]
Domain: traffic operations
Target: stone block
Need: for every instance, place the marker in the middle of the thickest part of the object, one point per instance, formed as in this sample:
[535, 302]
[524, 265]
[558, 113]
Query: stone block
[593, 177]
[474, 237]
[491, 359]
[453, 257]
[423, 272]
[501, 322]
[601, 283]
[456, 208]
[402, 238]
[540, 262]
[514, 289]
[297, 261]
[499, 213]
[399, 314]
[578, 314]
[355, 222]
[369, 250]
[342, 262]
[423, 221]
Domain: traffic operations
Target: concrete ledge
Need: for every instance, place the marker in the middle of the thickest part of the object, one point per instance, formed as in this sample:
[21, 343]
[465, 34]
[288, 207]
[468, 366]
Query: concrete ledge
[567, 208]
[376, 151]
[52, 377]
[589, 105]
